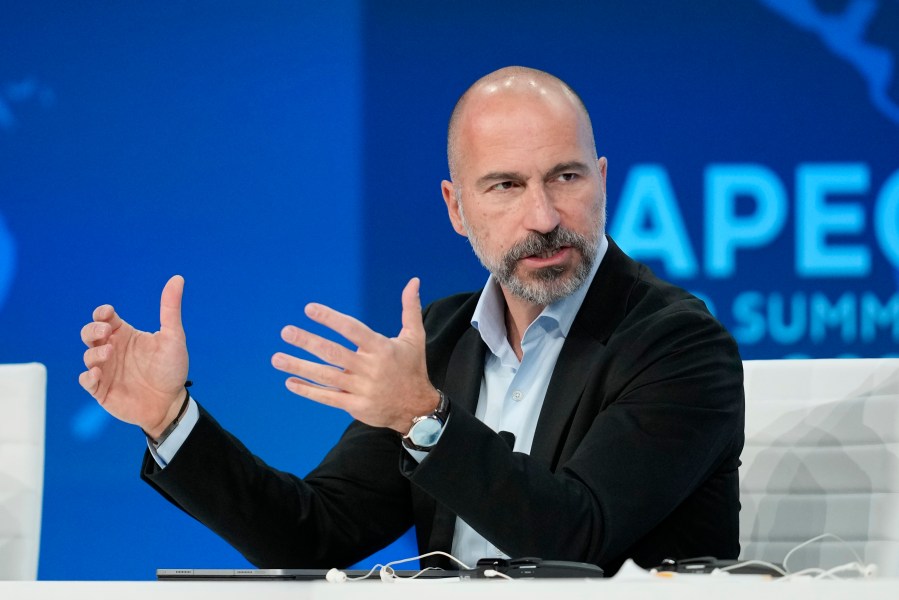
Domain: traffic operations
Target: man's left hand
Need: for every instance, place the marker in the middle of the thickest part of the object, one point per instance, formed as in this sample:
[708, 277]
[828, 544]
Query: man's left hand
[384, 383]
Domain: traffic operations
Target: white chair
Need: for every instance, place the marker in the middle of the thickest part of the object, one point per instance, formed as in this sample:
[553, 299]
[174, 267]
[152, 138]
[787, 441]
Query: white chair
[22, 409]
[821, 456]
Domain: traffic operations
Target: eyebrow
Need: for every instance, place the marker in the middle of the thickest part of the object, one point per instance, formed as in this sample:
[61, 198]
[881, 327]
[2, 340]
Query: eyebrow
[499, 176]
[565, 167]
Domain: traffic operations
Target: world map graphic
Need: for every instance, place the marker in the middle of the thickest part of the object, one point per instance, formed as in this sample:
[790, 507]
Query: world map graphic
[864, 33]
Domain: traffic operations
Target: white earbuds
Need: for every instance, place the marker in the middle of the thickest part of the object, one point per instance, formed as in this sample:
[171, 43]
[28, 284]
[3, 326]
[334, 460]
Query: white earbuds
[337, 576]
[387, 573]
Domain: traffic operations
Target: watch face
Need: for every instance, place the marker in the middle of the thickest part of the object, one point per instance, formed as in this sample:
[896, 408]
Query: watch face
[426, 432]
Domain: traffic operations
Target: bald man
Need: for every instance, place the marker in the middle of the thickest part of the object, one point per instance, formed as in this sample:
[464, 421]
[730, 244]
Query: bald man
[576, 408]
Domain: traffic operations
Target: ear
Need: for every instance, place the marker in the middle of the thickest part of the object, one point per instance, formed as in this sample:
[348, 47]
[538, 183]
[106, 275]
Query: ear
[452, 206]
[603, 164]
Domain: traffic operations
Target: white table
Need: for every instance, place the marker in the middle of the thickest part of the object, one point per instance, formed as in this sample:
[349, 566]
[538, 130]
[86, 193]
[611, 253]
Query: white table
[694, 587]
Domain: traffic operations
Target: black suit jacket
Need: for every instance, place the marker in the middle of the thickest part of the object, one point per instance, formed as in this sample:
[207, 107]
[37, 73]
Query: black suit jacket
[635, 454]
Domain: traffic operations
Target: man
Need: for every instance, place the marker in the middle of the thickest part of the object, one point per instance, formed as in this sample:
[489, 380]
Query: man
[578, 408]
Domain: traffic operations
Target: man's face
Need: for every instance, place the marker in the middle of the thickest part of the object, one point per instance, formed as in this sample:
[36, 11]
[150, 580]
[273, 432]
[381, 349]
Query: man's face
[528, 193]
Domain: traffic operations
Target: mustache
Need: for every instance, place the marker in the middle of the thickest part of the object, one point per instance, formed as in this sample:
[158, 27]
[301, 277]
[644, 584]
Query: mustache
[538, 243]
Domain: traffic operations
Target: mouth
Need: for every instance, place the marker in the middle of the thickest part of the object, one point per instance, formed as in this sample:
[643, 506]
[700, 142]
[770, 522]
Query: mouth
[548, 253]
[549, 257]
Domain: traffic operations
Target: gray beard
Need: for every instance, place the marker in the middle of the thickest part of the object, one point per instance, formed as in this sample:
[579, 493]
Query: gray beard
[546, 285]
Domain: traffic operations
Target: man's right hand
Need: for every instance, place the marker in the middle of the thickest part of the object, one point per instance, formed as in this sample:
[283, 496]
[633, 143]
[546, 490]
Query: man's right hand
[138, 377]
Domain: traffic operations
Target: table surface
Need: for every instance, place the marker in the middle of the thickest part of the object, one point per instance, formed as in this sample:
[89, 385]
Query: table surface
[687, 587]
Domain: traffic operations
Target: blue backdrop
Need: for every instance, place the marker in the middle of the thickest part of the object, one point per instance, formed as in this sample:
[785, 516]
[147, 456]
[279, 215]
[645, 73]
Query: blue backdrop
[275, 153]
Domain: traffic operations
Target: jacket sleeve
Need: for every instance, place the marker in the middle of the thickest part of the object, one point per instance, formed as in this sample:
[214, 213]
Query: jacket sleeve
[353, 503]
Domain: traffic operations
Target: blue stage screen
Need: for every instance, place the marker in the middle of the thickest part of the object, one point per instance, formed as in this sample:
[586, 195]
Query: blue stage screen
[277, 153]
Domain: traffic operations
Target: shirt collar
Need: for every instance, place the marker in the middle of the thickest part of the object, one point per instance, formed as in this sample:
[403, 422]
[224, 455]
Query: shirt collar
[489, 314]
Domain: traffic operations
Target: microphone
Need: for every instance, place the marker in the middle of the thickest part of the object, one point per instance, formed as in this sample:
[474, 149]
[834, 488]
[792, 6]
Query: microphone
[509, 438]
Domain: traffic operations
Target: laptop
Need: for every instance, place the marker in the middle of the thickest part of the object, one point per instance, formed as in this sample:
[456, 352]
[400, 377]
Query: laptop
[519, 568]
[284, 574]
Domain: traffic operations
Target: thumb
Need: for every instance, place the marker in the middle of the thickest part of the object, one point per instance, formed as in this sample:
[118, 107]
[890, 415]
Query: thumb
[412, 323]
[170, 306]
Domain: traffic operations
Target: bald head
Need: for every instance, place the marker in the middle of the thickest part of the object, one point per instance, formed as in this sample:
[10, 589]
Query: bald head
[504, 84]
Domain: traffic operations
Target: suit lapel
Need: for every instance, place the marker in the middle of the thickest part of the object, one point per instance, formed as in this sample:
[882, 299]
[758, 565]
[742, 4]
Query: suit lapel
[573, 368]
[465, 370]
[463, 386]
[604, 306]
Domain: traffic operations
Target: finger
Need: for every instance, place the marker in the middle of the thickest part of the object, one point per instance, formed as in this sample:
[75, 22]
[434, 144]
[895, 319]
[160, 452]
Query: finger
[170, 306]
[97, 355]
[107, 314]
[322, 395]
[317, 373]
[412, 321]
[95, 333]
[328, 351]
[352, 329]
[90, 380]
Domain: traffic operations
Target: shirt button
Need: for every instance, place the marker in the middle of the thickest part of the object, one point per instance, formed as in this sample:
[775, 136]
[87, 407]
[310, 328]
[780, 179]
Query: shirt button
[517, 395]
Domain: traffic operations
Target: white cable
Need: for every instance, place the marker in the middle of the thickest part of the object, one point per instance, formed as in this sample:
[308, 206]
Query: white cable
[819, 573]
[387, 573]
[493, 573]
[815, 539]
[427, 554]
[747, 563]
[860, 568]
[391, 573]
[857, 566]
[338, 576]
[852, 566]
[813, 571]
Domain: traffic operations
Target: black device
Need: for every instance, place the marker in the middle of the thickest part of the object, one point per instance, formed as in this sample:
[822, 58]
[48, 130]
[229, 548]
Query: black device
[536, 568]
[708, 564]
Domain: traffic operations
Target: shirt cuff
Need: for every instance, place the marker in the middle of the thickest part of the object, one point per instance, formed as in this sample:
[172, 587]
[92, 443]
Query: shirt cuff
[165, 452]
[418, 455]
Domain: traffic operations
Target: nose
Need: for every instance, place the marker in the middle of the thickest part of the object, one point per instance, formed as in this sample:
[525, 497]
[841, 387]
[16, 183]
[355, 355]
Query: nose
[541, 214]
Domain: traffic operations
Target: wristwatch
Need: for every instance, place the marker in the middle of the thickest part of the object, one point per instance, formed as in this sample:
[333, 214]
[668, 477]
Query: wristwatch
[426, 429]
